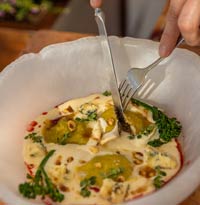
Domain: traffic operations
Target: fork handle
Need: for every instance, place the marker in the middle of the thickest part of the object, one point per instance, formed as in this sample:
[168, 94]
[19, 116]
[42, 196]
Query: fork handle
[155, 63]
[160, 59]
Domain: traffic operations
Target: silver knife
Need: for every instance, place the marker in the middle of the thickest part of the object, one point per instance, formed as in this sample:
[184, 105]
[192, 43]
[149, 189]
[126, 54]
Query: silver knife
[100, 18]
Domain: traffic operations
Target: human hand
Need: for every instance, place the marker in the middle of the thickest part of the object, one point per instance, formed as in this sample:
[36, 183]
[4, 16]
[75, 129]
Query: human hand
[183, 17]
[95, 3]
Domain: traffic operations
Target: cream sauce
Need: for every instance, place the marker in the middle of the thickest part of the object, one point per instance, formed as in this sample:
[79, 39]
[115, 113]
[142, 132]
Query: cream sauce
[62, 166]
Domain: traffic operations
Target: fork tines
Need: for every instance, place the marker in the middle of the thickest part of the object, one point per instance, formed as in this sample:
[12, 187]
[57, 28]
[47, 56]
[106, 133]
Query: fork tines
[126, 93]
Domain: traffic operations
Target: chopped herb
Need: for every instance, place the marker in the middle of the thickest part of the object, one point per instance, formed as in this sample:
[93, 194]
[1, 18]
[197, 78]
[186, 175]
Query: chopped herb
[148, 130]
[114, 173]
[131, 137]
[80, 119]
[85, 192]
[156, 143]
[160, 172]
[158, 182]
[106, 93]
[41, 184]
[36, 139]
[63, 140]
[145, 132]
[91, 116]
[89, 112]
[85, 184]
[168, 128]
[28, 176]
[153, 154]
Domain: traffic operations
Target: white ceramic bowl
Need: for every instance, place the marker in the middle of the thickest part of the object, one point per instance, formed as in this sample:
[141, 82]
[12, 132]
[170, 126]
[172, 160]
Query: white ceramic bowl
[36, 82]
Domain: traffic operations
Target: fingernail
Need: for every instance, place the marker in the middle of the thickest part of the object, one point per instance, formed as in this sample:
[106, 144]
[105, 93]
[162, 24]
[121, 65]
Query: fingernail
[95, 3]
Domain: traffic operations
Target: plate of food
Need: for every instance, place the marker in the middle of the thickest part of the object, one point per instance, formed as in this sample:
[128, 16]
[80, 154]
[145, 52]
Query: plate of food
[60, 142]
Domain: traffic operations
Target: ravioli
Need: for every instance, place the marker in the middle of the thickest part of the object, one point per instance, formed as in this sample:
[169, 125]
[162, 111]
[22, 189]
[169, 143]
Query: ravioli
[74, 153]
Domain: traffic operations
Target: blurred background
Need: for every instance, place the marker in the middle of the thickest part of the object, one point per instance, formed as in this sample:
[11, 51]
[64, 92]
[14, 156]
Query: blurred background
[135, 18]
[22, 21]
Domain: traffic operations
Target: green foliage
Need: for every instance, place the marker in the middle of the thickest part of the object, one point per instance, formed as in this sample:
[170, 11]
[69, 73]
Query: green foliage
[40, 184]
[85, 184]
[168, 128]
[6, 7]
[21, 9]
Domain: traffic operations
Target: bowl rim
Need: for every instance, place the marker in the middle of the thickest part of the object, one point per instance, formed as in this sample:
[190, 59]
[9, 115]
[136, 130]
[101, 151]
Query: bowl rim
[194, 168]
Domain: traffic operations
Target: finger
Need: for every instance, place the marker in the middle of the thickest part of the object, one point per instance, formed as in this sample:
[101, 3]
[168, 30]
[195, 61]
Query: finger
[189, 22]
[171, 31]
[95, 3]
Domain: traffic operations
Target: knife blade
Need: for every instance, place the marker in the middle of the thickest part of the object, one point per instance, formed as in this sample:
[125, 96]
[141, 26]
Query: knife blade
[100, 18]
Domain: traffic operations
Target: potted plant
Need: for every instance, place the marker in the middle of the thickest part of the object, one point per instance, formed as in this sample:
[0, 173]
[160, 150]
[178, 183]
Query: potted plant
[26, 10]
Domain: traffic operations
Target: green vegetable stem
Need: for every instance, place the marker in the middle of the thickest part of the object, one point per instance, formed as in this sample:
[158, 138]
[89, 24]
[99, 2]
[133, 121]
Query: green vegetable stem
[41, 184]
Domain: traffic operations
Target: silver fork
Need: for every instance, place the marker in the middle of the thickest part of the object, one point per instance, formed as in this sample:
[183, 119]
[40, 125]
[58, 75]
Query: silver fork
[135, 78]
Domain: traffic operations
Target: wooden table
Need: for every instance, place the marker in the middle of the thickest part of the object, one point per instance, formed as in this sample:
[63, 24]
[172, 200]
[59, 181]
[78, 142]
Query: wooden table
[14, 43]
